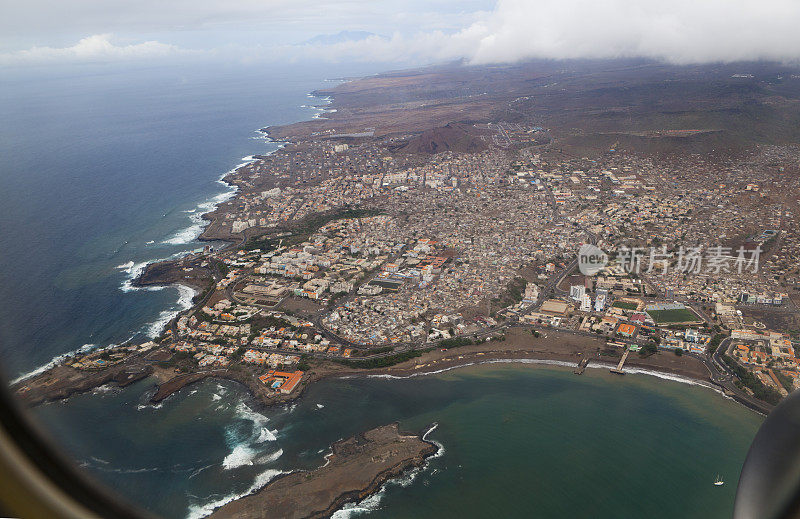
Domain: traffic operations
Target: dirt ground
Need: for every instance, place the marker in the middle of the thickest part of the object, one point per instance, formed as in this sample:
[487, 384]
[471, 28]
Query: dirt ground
[551, 345]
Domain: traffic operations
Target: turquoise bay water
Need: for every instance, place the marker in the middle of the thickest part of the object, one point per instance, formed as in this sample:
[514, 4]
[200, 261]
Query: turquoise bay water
[518, 441]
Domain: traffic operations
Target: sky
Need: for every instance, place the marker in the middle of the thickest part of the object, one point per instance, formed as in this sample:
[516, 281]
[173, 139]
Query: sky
[37, 32]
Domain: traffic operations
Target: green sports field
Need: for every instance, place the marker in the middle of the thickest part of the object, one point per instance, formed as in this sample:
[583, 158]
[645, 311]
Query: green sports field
[679, 315]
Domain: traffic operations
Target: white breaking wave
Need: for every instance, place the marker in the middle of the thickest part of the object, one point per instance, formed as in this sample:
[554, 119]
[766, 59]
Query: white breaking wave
[159, 405]
[247, 452]
[193, 231]
[240, 456]
[244, 454]
[261, 432]
[372, 503]
[58, 359]
[184, 302]
[106, 388]
[202, 510]
[269, 458]
[186, 235]
[266, 435]
[440, 452]
[134, 270]
[665, 376]
[245, 413]
[319, 110]
[593, 364]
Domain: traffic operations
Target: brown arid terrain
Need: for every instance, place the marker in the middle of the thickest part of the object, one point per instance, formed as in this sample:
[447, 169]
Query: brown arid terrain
[552, 346]
[62, 381]
[451, 137]
[637, 105]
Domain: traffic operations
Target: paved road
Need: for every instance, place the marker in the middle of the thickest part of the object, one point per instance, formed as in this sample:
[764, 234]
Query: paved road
[724, 378]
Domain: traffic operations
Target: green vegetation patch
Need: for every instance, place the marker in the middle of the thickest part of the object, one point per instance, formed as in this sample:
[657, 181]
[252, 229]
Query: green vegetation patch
[262, 322]
[625, 305]
[677, 315]
[307, 227]
[456, 342]
[748, 380]
[513, 294]
[383, 362]
[785, 380]
[713, 344]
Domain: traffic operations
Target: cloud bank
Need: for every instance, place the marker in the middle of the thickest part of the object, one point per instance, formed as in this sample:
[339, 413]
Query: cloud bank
[98, 47]
[677, 31]
[682, 31]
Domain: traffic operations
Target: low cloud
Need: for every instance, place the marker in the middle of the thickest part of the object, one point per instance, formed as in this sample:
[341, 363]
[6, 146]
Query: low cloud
[681, 31]
[98, 47]
[678, 31]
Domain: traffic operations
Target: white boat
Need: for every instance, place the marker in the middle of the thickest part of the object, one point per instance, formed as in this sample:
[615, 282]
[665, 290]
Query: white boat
[718, 482]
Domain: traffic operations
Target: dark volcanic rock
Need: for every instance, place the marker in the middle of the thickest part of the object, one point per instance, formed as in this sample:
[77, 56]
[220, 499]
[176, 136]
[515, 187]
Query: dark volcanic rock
[452, 137]
[356, 468]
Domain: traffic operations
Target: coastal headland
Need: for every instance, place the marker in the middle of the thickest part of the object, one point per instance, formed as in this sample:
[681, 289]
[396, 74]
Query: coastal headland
[355, 469]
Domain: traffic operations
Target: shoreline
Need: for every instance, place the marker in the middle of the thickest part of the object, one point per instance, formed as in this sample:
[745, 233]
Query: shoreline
[208, 218]
[135, 271]
[355, 469]
[686, 370]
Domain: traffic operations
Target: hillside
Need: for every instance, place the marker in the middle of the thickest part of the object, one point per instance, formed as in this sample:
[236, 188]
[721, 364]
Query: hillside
[451, 137]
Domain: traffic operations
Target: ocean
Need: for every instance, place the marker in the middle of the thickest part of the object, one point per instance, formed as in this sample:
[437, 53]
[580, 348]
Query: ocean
[107, 168]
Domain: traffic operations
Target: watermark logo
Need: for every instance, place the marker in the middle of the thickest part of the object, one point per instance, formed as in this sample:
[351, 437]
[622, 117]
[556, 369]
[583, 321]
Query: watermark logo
[591, 259]
[714, 260]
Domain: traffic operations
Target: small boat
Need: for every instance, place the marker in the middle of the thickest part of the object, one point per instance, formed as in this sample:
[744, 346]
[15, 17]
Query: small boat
[718, 481]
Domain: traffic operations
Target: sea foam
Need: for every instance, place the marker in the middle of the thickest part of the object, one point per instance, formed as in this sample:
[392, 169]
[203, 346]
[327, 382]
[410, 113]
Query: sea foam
[249, 450]
[202, 510]
[372, 503]
[594, 365]
[184, 302]
[195, 229]
[133, 271]
[86, 348]
[240, 456]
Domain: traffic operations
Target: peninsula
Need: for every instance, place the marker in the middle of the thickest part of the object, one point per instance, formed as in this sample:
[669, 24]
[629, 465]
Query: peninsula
[355, 469]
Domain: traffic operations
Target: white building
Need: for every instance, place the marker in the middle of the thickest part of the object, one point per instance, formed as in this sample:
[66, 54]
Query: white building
[600, 301]
[577, 292]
